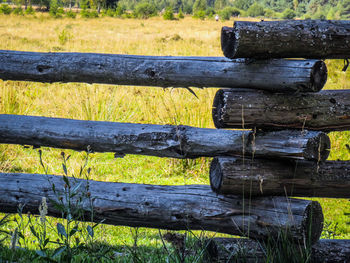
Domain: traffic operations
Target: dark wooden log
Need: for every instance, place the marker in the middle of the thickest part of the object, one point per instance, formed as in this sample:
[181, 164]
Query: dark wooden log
[261, 177]
[287, 39]
[246, 250]
[169, 207]
[159, 140]
[327, 110]
[273, 75]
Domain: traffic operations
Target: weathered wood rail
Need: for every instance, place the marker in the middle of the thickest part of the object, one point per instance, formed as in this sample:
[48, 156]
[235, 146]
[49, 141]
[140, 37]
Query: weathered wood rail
[159, 140]
[273, 75]
[287, 39]
[170, 207]
[227, 250]
[261, 177]
[327, 110]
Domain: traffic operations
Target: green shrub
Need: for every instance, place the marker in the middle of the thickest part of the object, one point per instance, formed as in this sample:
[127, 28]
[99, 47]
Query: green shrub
[5, 9]
[256, 10]
[270, 13]
[199, 14]
[18, 11]
[307, 17]
[180, 15]
[71, 14]
[210, 12]
[288, 14]
[120, 10]
[55, 11]
[319, 15]
[227, 12]
[169, 14]
[85, 13]
[145, 10]
[110, 12]
[30, 11]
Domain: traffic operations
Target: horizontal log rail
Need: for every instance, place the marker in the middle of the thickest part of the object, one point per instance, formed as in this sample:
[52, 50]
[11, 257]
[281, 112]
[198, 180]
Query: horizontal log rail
[168, 207]
[227, 250]
[327, 110]
[261, 177]
[159, 140]
[273, 75]
[287, 39]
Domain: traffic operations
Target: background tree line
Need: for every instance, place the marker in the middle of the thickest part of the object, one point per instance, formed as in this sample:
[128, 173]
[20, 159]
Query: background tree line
[286, 9]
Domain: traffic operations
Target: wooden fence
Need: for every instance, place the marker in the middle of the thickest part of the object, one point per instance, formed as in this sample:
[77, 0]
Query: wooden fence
[284, 154]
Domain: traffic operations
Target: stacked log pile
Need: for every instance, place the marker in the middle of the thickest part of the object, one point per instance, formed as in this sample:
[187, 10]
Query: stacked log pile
[253, 172]
[325, 111]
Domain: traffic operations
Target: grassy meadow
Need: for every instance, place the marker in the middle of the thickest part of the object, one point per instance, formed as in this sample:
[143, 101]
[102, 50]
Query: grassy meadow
[155, 36]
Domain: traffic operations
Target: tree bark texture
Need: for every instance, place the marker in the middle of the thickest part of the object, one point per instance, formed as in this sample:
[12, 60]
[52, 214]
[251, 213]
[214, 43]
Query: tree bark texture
[261, 177]
[327, 110]
[273, 75]
[246, 250]
[168, 207]
[159, 140]
[287, 39]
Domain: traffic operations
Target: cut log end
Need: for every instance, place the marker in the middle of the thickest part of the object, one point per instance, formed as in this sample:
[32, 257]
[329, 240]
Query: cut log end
[228, 40]
[216, 111]
[313, 222]
[318, 147]
[318, 76]
[215, 175]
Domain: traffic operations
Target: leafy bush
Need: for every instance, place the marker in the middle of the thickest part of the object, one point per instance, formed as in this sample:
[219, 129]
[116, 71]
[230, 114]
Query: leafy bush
[55, 11]
[169, 14]
[18, 11]
[30, 11]
[270, 13]
[199, 15]
[227, 12]
[120, 10]
[71, 14]
[5, 9]
[180, 15]
[256, 10]
[210, 12]
[199, 5]
[345, 9]
[288, 14]
[85, 13]
[145, 10]
[110, 12]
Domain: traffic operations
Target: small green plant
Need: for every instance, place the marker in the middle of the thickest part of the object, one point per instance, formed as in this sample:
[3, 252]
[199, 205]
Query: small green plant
[71, 14]
[120, 10]
[30, 11]
[110, 12]
[18, 11]
[169, 14]
[64, 36]
[55, 11]
[210, 12]
[5, 9]
[255, 10]
[288, 14]
[227, 12]
[180, 15]
[145, 10]
[199, 14]
[85, 13]
[4, 234]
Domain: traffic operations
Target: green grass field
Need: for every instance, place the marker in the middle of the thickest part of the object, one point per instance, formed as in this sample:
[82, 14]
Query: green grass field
[129, 104]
